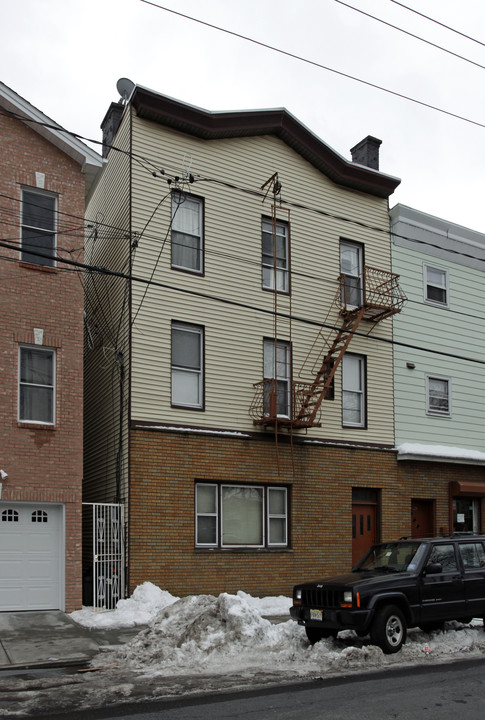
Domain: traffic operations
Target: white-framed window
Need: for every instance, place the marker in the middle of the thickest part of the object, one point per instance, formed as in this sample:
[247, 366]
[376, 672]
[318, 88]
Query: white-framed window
[438, 395]
[353, 391]
[187, 365]
[37, 372]
[277, 367]
[234, 516]
[187, 233]
[435, 285]
[351, 266]
[275, 254]
[38, 227]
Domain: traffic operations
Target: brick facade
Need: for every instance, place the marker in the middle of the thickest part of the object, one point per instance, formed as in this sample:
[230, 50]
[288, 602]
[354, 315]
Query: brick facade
[165, 466]
[44, 463]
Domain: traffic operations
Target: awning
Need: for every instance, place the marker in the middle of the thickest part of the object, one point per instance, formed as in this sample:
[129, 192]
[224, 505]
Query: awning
[471, 489]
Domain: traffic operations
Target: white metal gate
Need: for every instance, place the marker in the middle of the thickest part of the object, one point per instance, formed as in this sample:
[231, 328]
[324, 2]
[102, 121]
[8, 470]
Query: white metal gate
[105, 544]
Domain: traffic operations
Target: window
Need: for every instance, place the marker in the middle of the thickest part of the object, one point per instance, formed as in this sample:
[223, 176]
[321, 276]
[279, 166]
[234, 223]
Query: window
[187, 365]
[445, 555]
[38, 227]
[351, 266]
[275, 254]
[435, 285]
[187, 233]
[472, 555]
[10, 515]
[36, 385]
[233, 516]
[277, 394]
[353, 391]
[437, 396]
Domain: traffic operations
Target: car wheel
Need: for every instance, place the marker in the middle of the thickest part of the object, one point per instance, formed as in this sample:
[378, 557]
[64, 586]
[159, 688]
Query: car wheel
[388, 630]
[315, 634]
[430, 626]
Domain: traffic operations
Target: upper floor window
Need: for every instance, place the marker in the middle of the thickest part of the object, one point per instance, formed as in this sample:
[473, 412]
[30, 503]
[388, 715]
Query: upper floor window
[438, 395]
[351, 266]
[353, 391]
[187, 365]
[275, 255]
[277, 367]
[435, 285]
[187, 233]
[38, 227]
[36, 385]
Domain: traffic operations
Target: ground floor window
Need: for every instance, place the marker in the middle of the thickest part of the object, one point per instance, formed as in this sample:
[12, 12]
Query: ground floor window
[234, 516]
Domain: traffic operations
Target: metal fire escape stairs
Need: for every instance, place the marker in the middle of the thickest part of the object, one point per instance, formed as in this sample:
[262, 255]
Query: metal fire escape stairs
[380, 297]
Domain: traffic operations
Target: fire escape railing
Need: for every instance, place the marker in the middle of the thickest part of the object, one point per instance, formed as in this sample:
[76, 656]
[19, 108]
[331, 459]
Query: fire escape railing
[373, 296]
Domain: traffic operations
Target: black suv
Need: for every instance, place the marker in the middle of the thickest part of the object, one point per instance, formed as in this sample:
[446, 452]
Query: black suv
[396, 585]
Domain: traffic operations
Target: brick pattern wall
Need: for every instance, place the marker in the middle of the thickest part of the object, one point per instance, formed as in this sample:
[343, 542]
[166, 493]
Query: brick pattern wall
[44, 464]
[165, 466]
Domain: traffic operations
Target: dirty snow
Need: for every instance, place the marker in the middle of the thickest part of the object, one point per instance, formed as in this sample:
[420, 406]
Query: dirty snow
[235, 634]
[203, 644]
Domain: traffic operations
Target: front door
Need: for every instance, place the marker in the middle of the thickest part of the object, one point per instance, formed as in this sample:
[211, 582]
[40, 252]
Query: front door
[364, 532]
[422, 518]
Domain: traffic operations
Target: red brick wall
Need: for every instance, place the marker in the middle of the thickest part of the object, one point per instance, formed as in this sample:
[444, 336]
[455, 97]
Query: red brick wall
[44, 464]
[165, 466]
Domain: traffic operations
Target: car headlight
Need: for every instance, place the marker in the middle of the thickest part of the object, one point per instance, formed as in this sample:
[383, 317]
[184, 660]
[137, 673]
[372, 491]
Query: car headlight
[348, 596]
[298, 594]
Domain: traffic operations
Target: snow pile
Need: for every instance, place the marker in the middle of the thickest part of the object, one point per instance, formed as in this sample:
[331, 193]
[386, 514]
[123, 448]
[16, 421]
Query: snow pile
[199, 631]
[441, 451]
[227, 635]
[145, 604]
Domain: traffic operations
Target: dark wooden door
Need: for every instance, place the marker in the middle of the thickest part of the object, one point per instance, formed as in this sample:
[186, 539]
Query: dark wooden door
[363, 529]
[422, 518]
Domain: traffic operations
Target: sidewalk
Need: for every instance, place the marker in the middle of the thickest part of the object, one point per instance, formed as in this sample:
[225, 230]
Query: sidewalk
[51, 639]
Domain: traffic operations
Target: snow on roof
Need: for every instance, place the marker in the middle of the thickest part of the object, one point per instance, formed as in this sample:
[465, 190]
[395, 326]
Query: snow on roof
[417, 451]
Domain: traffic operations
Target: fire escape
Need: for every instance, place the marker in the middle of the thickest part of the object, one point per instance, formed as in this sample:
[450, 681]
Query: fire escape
[372, 297]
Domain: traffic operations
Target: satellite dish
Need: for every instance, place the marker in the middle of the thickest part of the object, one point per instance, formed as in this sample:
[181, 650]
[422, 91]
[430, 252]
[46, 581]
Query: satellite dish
[125, 88]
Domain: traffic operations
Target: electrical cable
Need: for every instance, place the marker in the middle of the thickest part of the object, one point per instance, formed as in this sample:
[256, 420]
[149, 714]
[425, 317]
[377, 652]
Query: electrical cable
[406, 32]
[448, 27]
[253, 308]
[318, 65]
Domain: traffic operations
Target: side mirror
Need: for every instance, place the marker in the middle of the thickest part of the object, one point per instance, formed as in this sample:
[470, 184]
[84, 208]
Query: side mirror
[433, 568]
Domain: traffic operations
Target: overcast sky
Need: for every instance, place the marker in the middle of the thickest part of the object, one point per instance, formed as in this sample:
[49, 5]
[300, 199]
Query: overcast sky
[65, 58]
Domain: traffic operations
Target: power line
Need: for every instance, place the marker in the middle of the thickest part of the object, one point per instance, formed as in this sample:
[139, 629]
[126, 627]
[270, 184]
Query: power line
[406, 32]
[253, 308]
[468, 37]
[318, 65]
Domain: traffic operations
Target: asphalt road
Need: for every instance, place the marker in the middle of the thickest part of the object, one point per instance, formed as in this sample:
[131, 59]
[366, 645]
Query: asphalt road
[442, 692]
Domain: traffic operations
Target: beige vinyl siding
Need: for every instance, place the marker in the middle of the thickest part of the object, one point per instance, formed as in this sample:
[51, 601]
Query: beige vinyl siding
[107, 311]
[232, 240]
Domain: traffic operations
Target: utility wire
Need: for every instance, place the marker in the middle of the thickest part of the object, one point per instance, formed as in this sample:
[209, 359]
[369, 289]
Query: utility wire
[468, 37]
[318, 65]
[253, 308]
[406, 32]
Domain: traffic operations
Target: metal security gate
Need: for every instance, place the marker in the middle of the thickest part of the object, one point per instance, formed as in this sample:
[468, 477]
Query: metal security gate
[104, 577]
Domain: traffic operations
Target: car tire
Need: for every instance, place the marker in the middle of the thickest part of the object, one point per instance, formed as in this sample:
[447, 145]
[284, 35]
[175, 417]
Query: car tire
[315, 634]
[388, 630]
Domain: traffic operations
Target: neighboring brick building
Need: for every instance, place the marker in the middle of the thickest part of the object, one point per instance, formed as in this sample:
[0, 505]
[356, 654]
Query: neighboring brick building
[44, 179]
[263, 249]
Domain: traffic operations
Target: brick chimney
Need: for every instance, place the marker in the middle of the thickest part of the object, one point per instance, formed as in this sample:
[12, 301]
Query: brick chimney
[366, 152]
[110, 125]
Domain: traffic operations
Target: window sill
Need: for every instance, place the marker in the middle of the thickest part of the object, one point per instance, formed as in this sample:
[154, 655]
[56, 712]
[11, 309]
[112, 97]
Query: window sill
[42, 268]
[243, 551]
[35, 425]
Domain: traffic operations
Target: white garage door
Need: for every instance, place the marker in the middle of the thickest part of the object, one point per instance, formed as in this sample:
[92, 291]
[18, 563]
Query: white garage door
[31, 556]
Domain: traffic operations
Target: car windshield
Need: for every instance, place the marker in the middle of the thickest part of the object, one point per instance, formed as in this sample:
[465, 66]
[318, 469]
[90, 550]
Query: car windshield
[392, 557]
